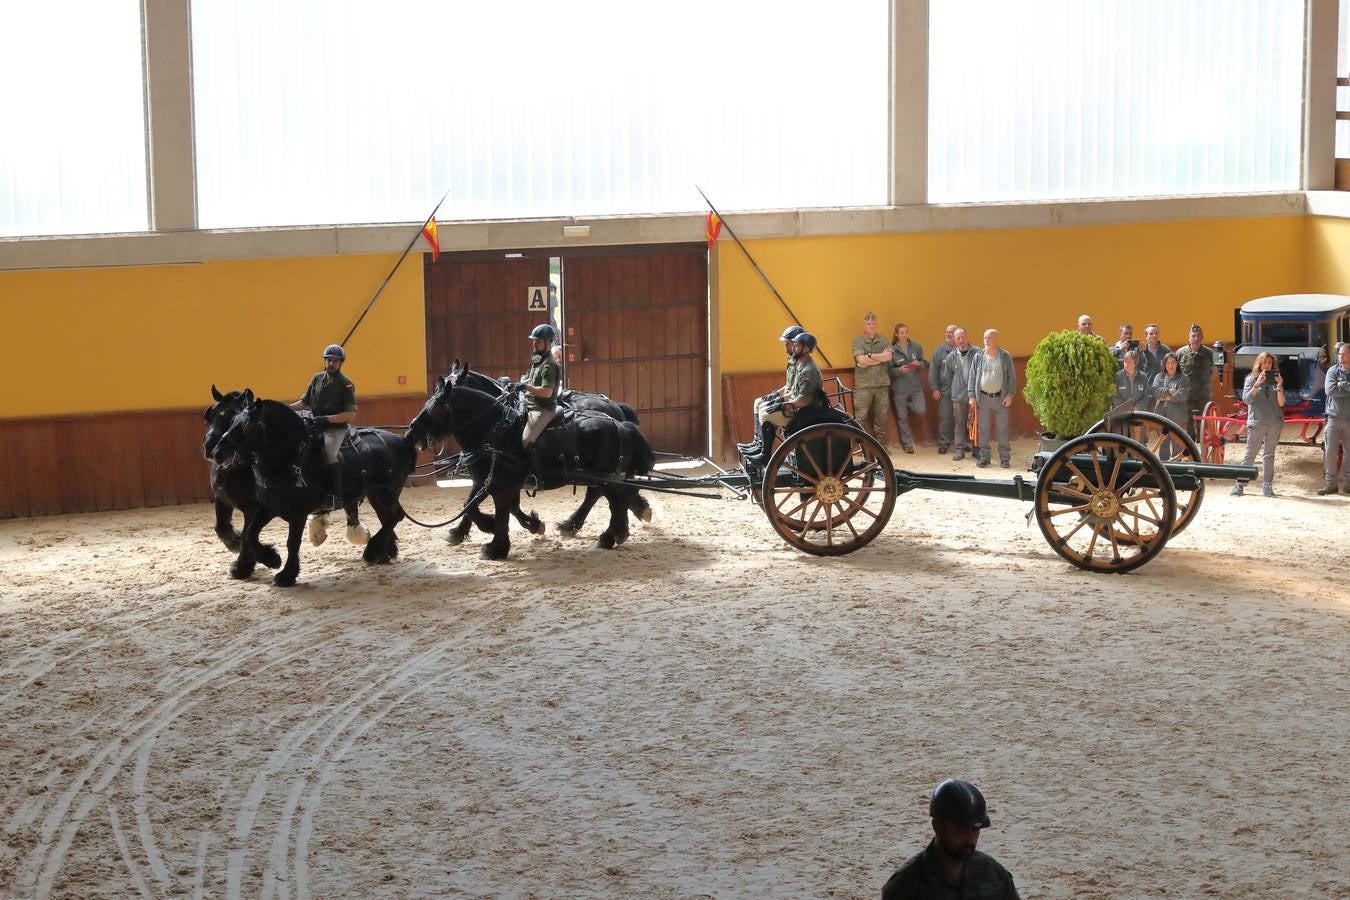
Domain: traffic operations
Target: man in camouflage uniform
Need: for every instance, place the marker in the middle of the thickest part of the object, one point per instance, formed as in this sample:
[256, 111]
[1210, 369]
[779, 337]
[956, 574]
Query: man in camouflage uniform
[950, 866]
[789, 334]
[871, 380]
[331, 396]
[541, 386]
[943, 401]
[1196, 362]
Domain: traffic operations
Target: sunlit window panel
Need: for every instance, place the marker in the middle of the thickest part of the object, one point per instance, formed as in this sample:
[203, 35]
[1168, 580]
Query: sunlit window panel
[338, 111]
[72, 118]
[1343, 92]
[1062, 99]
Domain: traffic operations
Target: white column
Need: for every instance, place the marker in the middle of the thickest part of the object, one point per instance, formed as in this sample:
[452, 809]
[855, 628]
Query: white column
[909, 102]
[170, 152]
[1319, 96]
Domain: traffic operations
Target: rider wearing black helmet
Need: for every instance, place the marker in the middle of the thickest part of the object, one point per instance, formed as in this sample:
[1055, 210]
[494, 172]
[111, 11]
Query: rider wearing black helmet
[541, 385]
[805, 389]
[331, 396]
[752, 447]
[951, 866]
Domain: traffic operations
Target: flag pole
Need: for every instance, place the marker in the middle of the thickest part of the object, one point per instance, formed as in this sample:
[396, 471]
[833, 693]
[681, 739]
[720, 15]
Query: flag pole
[402, 256]
[765, 278]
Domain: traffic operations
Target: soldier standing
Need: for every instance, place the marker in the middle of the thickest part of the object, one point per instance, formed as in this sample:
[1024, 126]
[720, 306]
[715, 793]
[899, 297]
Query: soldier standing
[871, 359]
[943, 400]
[1196, 362]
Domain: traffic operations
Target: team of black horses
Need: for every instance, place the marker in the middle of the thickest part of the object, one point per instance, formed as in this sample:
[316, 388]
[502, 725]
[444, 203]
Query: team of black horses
[265, 462]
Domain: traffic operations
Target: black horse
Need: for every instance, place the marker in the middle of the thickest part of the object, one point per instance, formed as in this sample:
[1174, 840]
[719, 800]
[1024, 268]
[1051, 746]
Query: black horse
[290, 478]
[578, 401]
[232, 486]
[578, 448]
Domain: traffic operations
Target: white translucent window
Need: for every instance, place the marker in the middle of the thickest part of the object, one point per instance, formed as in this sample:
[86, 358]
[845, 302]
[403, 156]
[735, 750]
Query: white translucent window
[1342, 76]
[326, 111]
[1048, 99]
[72, 117]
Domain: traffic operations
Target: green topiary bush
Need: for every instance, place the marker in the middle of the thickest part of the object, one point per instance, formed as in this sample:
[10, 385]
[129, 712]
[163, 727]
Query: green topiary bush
[1070, 381]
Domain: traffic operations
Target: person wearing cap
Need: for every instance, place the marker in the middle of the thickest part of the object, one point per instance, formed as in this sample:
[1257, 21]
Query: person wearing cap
[950, 866]
[946, 424]
[1196, 362]
[807, 389]
[541, 386]
[906, 387]
[331, 396]
[752, 446]
[871, 383]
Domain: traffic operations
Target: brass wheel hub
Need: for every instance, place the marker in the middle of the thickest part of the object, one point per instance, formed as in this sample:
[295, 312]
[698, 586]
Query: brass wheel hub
[829, 489]
[1105, 504]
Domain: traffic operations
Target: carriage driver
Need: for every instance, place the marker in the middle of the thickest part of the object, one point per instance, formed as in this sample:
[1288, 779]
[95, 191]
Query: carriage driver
[789, 335]
[806, 390]
[331, 396]
[541, 386]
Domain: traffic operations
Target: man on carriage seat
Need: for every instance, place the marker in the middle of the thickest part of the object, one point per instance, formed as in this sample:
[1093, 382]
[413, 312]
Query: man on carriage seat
[331, 396]
[805, 392]
[541, 386]
[787, 337]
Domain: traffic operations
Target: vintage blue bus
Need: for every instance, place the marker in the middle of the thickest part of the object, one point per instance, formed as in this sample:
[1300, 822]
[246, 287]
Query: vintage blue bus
[1301, 330]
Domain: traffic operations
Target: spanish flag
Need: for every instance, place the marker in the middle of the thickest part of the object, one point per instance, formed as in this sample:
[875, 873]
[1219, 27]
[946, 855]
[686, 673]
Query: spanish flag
[429, 232]
[714, 229]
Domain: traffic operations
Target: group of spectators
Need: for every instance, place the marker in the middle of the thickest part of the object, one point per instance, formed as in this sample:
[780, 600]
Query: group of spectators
[966, 383]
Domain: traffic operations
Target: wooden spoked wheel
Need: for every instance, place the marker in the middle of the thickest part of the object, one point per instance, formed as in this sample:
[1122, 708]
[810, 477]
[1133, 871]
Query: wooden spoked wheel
[1111, 509]
[821, 490]
[1211, 434]
[1169, 442]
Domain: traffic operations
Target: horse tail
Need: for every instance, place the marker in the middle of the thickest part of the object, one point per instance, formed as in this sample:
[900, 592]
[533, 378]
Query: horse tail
[643, 457]
[629, 414]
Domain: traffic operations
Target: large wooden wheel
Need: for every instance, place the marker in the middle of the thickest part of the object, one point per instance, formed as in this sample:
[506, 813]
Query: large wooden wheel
[1169, 442]
[1212, 437]
[821, 490]
[1111, 512]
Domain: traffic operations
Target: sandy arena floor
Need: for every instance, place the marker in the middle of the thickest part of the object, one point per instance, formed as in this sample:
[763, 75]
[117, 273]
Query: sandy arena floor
[704, 712]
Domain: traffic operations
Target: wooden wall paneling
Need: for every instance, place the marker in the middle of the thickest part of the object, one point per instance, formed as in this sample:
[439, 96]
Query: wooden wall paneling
[135, 472]
[67, 489]
[8, 471]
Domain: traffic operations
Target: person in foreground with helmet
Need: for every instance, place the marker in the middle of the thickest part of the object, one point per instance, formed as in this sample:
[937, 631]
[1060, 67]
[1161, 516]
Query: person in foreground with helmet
[806, 389]
[541, 386]
[752, 446]
[950, 866]
[331, 396]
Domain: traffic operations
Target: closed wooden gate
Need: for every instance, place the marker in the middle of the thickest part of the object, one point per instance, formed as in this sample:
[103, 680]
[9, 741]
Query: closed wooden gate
[635, 325]
[476, 311]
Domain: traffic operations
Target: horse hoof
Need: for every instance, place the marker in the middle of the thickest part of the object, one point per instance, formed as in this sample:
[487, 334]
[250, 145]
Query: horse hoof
[318, 530]
[567, 529]
[268, 556]
[283, 579]
[606, 541]
[646, 514]
[491, 552]
[240, 572]
[537, 526]
[620, 538]
[233, 542]
[358, 534]
[454, 538]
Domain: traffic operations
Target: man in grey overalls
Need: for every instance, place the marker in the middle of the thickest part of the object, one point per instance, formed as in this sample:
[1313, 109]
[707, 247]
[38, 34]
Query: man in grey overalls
[993, 384]
[943, 400]
[1337, 387]
[955, 388]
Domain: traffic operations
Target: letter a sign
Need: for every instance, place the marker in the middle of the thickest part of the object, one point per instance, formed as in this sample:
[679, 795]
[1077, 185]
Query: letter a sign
[537, 299]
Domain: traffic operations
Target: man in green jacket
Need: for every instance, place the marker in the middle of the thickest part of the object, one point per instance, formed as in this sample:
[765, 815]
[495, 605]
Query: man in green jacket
[331, 396]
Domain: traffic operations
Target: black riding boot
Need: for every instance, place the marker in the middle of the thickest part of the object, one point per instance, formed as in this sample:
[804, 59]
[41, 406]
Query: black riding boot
[335, 484]
[762, 453]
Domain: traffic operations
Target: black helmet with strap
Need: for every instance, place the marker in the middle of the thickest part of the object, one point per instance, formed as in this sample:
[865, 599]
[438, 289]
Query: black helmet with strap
[790, 333]
[959, 801]
[543, 332]
[334, 351]
[807, 340]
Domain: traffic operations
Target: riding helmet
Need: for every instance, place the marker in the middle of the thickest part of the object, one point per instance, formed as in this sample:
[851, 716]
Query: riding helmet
[543, 333]
[334, 351]
[790, 333]
[807, 340]
[959, 801]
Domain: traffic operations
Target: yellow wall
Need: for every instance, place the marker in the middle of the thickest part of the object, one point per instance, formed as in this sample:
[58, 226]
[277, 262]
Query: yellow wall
[1327, 256]
[1025, 282]
[155, 337]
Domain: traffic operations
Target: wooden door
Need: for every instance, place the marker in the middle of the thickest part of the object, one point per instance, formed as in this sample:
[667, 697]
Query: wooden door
[476, 310]
[635, 324]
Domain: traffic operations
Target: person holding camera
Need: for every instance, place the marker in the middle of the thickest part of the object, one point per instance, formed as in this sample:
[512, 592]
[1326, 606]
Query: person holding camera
[1263, 392]
[1124, 344]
